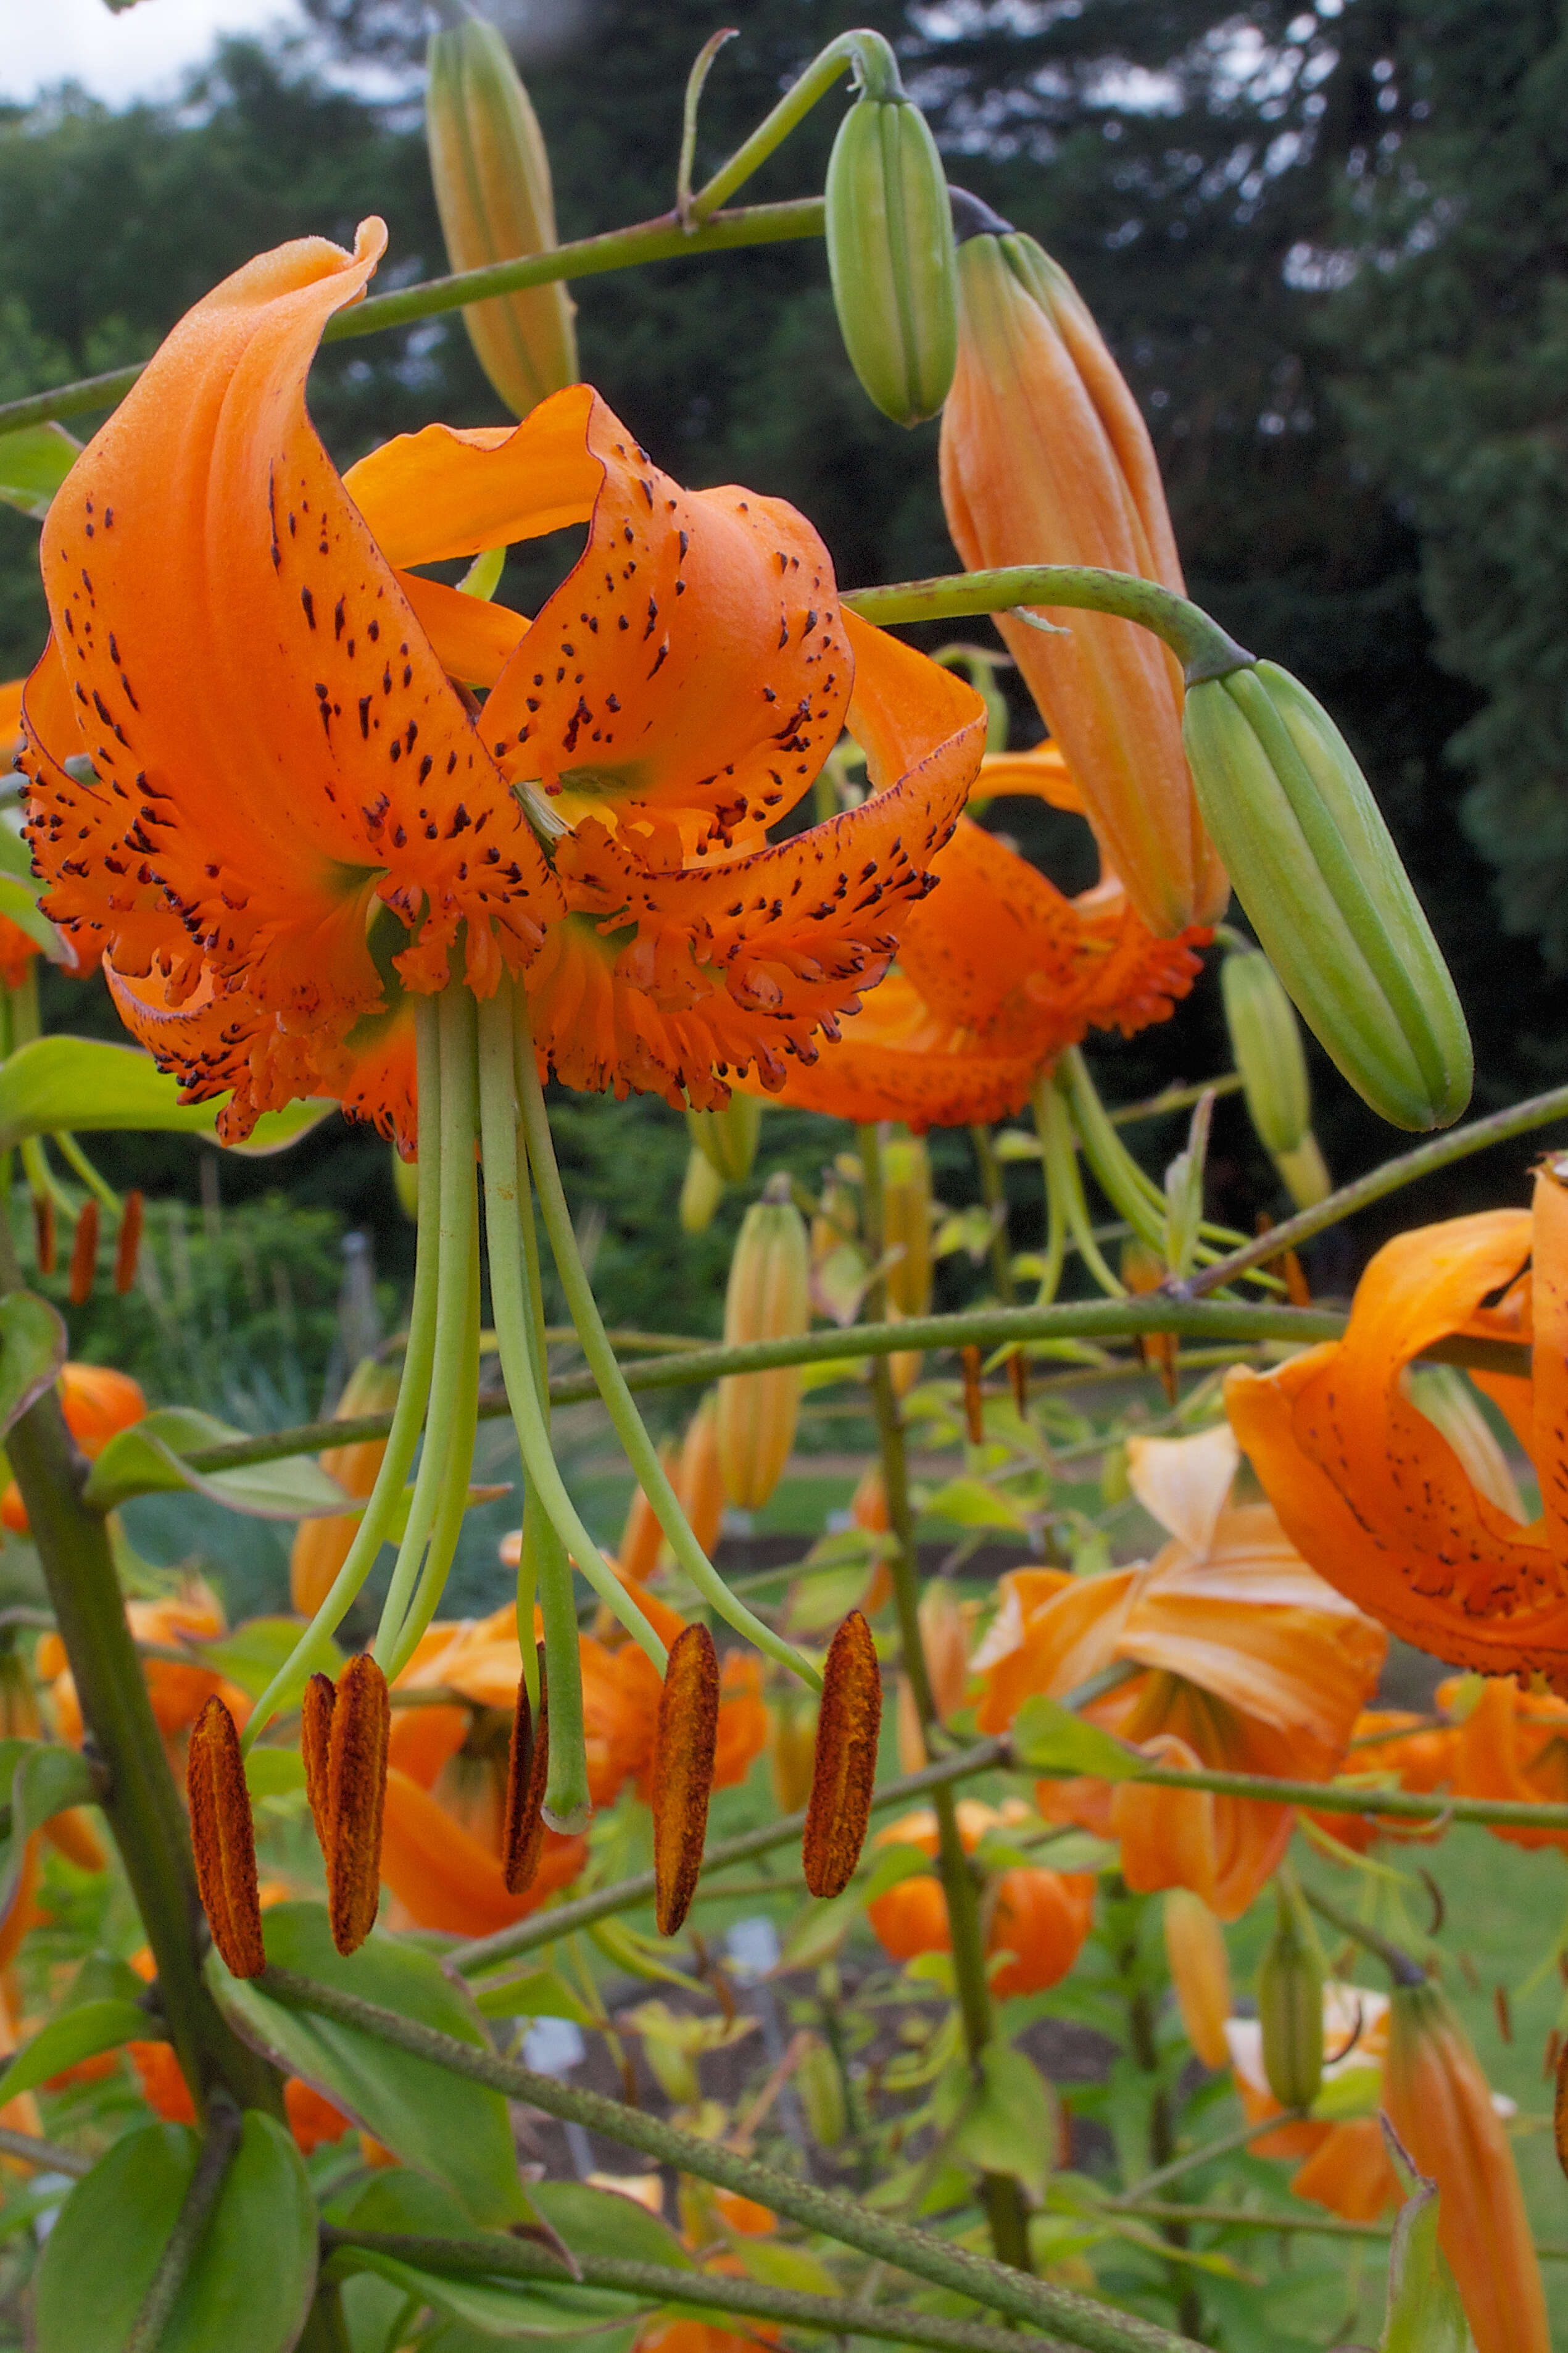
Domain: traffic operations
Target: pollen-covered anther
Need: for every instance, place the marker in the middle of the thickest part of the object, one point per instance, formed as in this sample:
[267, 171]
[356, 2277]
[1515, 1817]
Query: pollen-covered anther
[84, 1254]
[343, 1735]
[973, 1407]
[528, 1770]
[225, 1840]
[684, 1749]
[844, 1766]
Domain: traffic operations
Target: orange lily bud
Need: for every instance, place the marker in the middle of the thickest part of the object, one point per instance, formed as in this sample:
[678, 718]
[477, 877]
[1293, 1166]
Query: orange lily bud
[844, 1768]
[44, 1233]
[344, 1737]
[1200, 1973]
[973, 1404]
[1045, 459]
[84, 1254]
[768, 1299]
[699, 1483]
[890, 250]
[491, 174]
[225, 1841]
[1440, 2104]
[528, 1771]
[683, 1755]
[321, 1546]
[128, 1243]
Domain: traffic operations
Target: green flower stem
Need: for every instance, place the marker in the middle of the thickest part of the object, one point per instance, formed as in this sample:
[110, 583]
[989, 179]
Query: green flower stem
[1082, 2320]
[1199, 644]
[453, 1498]
[1001, 2194]
[561, 1920]
[1242, 2218]
[640, 1450]
[442, 1460]
[71, 1153]
[1174, 1099]
[1401, 1967]
[44, 2156]
[1478, 1135]
[201, 2194]
[1118, 1175]
[402, 1427]
[1063, 1186]
[875, 65]
[663, 240]
[140, 1800]
[1224, 2145]
[994, 1193]
[491, 2255]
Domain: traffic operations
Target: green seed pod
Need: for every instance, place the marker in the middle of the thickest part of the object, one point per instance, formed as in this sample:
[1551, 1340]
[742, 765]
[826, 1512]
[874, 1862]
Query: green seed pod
[1313, 865]
[1290, 2007]
[1266, 1040]
[700, 1193]
[821, 2089]
[491, 174]
[729, 1137]
[891, 257]
[769, 1298]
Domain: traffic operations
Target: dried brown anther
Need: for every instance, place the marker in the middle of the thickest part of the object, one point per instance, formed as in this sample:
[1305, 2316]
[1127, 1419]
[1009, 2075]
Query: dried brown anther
[527, 1772]
[128, 1243]
[684, 1748]
[84, 1254]
[974, 1406]
[225, 1840]
[844, 1769]
[343, 1737]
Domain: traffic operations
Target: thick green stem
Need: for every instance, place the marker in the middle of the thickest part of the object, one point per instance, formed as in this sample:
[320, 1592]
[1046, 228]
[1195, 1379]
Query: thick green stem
[1401, 1967]
[1199, 644]
[1063, 1184]
[994, 1193]
[1082, 2319]
[1001, 2194]
[603, 1363]
[140, 1800]
[454, 1354]
[403, 1426]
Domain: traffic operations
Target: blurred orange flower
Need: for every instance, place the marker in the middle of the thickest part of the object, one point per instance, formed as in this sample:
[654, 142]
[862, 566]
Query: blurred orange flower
[1345, 2165]
[1039, 1917]
[178, 1693]
[1509, 1744]
[97, 1404]
[1419, 1754]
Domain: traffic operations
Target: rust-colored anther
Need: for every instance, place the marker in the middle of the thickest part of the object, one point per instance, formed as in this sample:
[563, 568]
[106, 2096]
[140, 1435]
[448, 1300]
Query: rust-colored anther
[1504, 2013]
[128, 1243]
[44, 1233]
[974, 1406]
[1298, 1289]
[1551, 2056]
[225, 1840]
[315, 1741]
[527, 1772]
[1019, 1375]
[84, 1254]
[683, 1755]
[844, 1768]
[356, 1791]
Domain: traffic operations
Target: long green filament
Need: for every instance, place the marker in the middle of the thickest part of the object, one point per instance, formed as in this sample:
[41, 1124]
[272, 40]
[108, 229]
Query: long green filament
[1055, 1132]
[441, 1460]
[312, 1649]
[541, 1544]
[453, 1499]
[583, 1308]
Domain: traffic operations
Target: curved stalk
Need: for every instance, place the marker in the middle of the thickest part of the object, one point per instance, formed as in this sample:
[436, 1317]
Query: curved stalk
[453, 1500]
[875, 67]
[456, 1249]
[1063, 1181]
[407, 1415]
[603, 1363]
[1199, 644]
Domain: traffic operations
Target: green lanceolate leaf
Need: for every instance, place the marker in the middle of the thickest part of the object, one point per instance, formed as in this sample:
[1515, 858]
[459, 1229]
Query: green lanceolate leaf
[253, 2272]
[86, 1083]
[1006, 2122]
[538, 1994]
[438, 2123]
[79, 2033]
[148, 1459]
[1049, 1739]
[43, 1778]
[34, 462]
[32, 1350]
[1425, 2313]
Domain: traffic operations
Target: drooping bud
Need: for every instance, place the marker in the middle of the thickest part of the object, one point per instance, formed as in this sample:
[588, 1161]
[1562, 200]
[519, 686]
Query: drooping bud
[1290, 2006]
[128, 1243]
[1266, 1040]
[821, 2087]
[344, 1735]
[728, 1138]
[768, 1299]
[1440, 2104]
[225, 1840]
[844, 1766]
[1318, 873]
[528, 1770]
[684, 1748]
[84, 1254]
[321, 1546]
[492, 176]
[701, 1190]
[1045, 459]
[1200, 1973]
[890, 249]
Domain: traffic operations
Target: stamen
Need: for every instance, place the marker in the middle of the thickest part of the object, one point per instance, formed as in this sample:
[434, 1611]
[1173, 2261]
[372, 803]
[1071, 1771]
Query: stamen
[84, 1254]
[1019, 1375]
[356, 1791]
[527, 1769]
[844, 1768]
[974, 1406]
[315, 1742]
[128, 1243]
[684, 1748]
[225, 1840]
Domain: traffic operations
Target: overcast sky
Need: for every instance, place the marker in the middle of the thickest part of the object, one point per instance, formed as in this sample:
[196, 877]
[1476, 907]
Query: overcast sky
[142, 52]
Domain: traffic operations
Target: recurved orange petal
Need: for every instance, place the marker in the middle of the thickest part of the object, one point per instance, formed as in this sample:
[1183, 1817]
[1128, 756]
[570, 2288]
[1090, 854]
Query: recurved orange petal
[446, 1880]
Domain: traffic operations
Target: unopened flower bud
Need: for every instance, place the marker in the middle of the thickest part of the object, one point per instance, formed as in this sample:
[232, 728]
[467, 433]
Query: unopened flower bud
[699, 1480]
[821, 2089]
[225, 1840]
[1290, 2008]
[321, 1546]
[684, 1748]
[491, 175]
[701, 1190]
[891, 253]
[729, 1137]
[844, 1766]
[1200, 1973]
[1318, 873]
[768, 1299]
[1266, 1041]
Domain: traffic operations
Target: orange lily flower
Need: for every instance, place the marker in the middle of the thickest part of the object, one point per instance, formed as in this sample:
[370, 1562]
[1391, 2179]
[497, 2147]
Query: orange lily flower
[1345, 2165]
[1251, 1664]
[293, 813]
[1045, 459]
[97, 1404]
[178, 1693]
[740, 2217]
[1376, 1496]
[1422, 1756]
[1509, 1744]
[1039, 1918]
